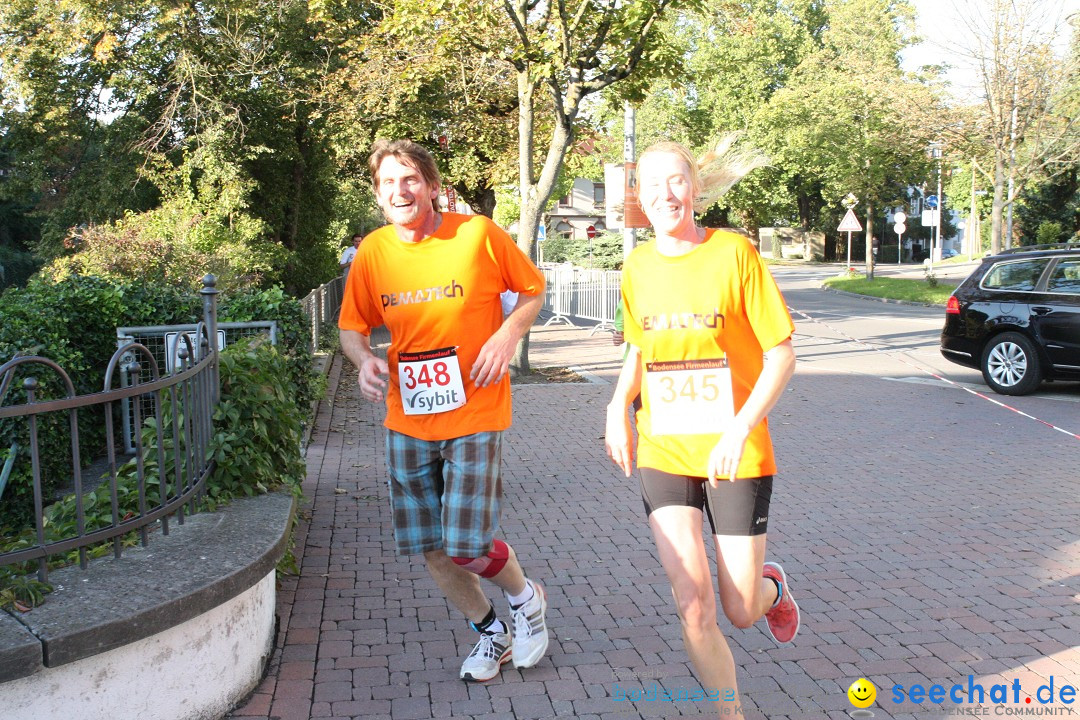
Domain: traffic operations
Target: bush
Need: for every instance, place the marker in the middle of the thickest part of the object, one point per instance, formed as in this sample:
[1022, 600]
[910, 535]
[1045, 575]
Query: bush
[257, 424]
[73, 323]
[605, 251]
[556, 248]
[1049, 233]
[255, 446]
[16, 267]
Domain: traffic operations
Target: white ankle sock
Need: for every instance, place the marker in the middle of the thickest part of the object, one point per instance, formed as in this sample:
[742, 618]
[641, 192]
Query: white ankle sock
[521, 597]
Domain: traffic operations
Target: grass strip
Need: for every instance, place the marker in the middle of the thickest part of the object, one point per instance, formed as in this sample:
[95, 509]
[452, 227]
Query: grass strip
[893, 288]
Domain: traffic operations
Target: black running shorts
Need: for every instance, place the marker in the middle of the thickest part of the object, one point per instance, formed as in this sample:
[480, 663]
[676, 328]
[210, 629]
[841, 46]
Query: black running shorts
[734, 508]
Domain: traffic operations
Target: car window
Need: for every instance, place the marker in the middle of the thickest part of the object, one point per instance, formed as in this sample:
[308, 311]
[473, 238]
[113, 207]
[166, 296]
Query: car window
[1066, 277]
[1022, 275]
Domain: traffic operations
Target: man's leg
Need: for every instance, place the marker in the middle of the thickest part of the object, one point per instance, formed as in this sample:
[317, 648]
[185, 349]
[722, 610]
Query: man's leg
[417, 487]
[461, 587]
[471, 505]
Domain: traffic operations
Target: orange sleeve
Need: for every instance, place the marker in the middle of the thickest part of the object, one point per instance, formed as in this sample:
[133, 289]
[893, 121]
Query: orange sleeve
[359, 310]
[518, 272]
[764, 304]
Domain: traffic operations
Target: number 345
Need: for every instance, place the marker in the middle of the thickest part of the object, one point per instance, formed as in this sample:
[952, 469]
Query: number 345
[706, 386]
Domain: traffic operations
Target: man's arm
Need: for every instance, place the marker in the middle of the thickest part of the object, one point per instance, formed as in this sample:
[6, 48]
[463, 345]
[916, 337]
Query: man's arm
[372, 369]
[617, 438]
[494, 358]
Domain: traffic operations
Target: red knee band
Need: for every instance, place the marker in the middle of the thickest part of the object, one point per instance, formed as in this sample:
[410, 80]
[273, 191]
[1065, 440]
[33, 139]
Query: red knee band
[489, 565]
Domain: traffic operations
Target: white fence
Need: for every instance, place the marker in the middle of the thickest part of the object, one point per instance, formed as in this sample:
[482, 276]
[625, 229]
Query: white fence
[591, 295]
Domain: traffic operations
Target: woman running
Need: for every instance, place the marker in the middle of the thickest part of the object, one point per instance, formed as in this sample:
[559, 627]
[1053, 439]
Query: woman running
[710, 353]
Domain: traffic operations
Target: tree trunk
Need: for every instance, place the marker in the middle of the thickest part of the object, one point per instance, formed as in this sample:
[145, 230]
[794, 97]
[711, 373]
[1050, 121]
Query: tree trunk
[527, 227]
[292, 232]
[480, 199]
[869, 240]
[998, 207]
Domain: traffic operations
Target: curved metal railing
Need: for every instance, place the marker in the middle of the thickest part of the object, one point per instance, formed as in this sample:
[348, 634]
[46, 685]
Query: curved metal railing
[176, 442]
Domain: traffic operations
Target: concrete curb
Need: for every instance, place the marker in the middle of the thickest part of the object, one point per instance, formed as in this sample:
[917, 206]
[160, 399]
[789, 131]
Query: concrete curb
[211, 558]
[589, 376]
[322, 363]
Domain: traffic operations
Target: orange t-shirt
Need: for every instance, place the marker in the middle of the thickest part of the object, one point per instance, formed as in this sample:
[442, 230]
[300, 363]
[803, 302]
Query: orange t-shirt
[434, 295]
[703, 321]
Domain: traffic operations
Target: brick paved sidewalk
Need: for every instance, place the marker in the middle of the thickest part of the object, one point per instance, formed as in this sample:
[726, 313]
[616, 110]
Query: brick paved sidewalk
[919, 560]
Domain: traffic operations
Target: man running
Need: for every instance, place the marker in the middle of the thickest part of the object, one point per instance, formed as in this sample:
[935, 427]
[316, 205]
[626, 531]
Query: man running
[434, 279]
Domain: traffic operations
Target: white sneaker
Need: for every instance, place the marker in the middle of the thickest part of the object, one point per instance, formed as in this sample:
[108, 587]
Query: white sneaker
[487, 657]
[529, 628]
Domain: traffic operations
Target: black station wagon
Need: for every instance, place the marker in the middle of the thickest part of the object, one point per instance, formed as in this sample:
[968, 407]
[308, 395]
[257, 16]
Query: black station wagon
[1017, 318]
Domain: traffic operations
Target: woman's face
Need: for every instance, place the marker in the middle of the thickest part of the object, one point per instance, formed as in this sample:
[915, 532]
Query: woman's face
[666, 192]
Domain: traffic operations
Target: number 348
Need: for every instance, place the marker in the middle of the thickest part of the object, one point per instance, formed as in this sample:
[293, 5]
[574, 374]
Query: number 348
[426, 377]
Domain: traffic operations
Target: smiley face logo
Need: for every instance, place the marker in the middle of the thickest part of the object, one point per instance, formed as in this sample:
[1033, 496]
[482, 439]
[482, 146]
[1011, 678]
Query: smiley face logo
[862, 693]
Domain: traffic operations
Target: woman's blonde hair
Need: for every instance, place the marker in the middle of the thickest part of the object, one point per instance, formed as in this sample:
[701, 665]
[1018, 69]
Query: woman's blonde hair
[715, 172]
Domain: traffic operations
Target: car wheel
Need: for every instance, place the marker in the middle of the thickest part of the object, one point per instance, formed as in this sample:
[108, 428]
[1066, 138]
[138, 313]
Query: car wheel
[1010, 365]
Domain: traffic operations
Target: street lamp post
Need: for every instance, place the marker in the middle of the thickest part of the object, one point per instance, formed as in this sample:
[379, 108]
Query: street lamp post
[935, 152]
[629, 141]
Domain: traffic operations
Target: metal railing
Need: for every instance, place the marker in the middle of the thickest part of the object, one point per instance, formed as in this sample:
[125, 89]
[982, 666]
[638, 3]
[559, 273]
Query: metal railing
[573, 292]
[321, 306]
[162, 341]
[170, 460]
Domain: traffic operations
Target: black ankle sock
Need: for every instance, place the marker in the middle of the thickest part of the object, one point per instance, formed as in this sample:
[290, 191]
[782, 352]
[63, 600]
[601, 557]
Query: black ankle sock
[490, 623]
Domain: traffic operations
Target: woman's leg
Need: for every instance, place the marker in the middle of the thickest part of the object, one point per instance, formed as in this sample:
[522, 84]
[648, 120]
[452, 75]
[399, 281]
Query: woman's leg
[682, 553]
[744, 594]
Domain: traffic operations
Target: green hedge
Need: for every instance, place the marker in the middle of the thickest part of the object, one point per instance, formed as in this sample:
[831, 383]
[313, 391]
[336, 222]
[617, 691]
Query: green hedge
[16, 267]
[73, 322]
[257, 429]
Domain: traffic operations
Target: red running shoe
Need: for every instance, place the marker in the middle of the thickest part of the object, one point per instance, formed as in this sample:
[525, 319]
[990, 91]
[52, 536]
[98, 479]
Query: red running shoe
[783, 619]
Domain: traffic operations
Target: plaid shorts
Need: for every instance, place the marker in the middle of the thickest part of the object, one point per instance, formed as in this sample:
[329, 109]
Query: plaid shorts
[445, 493]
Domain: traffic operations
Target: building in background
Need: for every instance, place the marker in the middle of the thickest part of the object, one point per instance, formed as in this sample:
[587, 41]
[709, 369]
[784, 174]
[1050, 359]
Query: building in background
[580, 212]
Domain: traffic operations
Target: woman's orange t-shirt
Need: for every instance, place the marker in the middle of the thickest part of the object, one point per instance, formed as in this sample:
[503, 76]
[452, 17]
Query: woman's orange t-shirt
[717, 306]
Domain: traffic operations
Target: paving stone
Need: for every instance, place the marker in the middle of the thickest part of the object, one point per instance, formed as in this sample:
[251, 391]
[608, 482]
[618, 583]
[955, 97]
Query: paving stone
[913, 562]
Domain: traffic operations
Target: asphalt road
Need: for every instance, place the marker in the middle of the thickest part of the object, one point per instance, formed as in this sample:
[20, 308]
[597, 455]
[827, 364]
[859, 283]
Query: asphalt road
[929, 534]
[896, 343]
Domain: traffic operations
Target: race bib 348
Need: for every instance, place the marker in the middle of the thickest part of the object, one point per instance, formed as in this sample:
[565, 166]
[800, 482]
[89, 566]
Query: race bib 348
[430, 381]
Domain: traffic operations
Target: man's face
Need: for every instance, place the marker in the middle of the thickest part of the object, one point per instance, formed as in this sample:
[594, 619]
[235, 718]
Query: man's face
[403, 194]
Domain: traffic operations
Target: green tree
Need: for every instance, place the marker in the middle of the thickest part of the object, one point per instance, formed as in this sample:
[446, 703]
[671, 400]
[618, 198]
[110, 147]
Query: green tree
[1025, 118]
[567, 53]
[216, 109]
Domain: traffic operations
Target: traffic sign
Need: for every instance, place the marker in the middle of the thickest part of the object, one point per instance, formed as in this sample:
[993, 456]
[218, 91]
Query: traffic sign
[541, 232]
[899, 216]
[591, 231]
[931, 201]
[850, 223]
[899, 228]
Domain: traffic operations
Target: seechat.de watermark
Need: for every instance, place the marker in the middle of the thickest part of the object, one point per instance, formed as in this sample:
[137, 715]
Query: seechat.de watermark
[970, 698]
[999, 694]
